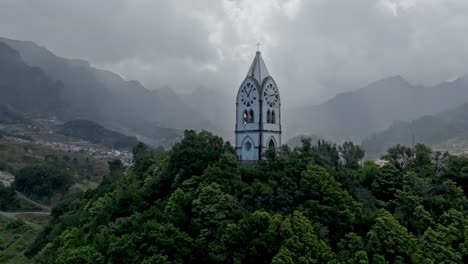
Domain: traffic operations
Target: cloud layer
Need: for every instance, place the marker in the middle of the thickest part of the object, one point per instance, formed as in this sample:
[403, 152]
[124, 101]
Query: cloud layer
[313, 48]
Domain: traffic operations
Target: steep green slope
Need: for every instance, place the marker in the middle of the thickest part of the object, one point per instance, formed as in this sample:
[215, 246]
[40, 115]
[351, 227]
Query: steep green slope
[15, 237]
[198, 204]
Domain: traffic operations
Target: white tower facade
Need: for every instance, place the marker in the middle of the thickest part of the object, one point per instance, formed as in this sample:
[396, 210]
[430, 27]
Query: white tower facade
[258, 113]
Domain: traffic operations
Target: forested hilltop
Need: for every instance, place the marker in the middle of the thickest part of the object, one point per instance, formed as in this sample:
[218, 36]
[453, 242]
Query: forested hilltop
[315, 204]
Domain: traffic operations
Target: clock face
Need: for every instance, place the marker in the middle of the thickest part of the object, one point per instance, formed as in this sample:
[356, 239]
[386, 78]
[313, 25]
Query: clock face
[271, 95]
[248, 94]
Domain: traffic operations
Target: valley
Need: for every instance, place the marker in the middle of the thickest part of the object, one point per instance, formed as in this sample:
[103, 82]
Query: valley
[41, 137]
[97, 168]
[27, 143]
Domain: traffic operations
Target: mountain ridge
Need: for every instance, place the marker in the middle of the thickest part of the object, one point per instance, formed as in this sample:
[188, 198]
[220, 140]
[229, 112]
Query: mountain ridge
[102, 95]
[356, 114]
[428, 129]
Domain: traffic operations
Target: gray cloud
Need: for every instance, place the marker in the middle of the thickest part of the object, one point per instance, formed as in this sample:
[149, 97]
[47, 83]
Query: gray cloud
[314, 48]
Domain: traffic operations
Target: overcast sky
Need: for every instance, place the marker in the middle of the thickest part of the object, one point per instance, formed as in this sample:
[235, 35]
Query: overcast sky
[313, 48]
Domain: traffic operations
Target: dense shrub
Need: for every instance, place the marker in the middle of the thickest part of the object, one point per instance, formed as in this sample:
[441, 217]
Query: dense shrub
[198, 204]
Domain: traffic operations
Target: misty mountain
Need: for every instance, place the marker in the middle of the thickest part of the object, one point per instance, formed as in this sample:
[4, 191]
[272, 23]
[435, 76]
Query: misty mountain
[106, 97]
[27, 89]
[354, 115]
[214, 106]
[428, 130]
[128, 107]
[8, 115]
[296, 141]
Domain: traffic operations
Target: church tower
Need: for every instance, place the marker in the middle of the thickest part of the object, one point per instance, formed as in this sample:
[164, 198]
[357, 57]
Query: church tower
[258, 113]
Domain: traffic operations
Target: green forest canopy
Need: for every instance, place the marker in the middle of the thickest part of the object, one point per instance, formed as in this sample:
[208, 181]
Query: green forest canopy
[314, 204]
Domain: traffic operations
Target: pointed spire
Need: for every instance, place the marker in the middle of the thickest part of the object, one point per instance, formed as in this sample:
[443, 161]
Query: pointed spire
[258, 69]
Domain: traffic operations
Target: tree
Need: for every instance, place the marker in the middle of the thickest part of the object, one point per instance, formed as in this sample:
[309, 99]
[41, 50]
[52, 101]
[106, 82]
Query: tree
[456, 228]
[225, 172]
[271, 154]
[369, 171]
[212, 211]
[399, 156]
[455, 168]
[352, 154]
[80, 255]
[392, 241]
[387, 183]
[437, 245]
[352, 250]
[143, 158]
[323, 198]
[326, 154]
[7, 198]
[116, 170]
[178, 208]
[42, 181]
[194, 153]
[255, 239]
[302, 244]
[445, 196]
[423, 159]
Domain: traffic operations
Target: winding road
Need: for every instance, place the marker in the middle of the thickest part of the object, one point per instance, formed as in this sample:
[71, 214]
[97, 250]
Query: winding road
[45, 209]
[15, 214]
[23, 197]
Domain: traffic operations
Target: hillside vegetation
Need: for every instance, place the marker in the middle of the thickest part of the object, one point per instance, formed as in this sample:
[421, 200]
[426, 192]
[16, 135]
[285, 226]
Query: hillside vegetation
[15, 236]
[96, 134]
[46, 174]
[316, 204]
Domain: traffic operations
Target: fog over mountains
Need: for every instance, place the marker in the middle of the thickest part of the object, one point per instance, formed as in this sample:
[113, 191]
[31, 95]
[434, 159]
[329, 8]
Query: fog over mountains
[80, 91]
[429, 129]
[25, 87]
[354, 115]
[88, 87]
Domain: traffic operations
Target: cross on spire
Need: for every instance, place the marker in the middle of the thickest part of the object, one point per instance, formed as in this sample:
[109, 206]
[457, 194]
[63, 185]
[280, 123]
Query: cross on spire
[258, 46]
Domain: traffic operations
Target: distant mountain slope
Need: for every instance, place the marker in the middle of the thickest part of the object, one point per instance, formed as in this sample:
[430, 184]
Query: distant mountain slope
[9, 115]
[106, 97]
[354, 115]
[296, 141]
[27, 89]
[96, 134]
[215, 107]
[430, 130]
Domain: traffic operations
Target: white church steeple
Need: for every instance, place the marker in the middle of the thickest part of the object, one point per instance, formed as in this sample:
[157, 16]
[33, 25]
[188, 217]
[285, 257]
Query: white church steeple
[258, 113]
[258, 69]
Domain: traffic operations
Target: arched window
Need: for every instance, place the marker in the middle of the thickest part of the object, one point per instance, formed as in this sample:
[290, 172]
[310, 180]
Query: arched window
[248, 146]
[268, 116]
[271, 144]
[245, 117]
[251, 116]
[273, 117]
